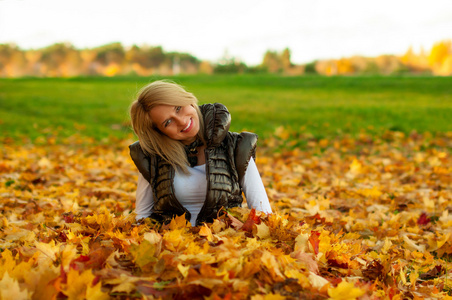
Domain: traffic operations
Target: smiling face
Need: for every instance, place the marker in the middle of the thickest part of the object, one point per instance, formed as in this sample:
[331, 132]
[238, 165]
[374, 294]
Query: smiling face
[180, 123]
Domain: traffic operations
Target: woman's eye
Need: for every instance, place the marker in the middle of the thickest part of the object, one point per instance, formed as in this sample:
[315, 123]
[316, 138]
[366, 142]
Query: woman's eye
[178, 108]
[167, 123]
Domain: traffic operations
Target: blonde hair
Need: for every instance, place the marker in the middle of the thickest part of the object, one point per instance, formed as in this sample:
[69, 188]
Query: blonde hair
[152, 141]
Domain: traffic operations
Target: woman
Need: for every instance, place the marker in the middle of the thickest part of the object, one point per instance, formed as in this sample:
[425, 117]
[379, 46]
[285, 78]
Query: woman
[188, 160]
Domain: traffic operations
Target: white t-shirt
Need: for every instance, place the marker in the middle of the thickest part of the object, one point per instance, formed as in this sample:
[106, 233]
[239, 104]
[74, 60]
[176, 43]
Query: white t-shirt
[191, 191]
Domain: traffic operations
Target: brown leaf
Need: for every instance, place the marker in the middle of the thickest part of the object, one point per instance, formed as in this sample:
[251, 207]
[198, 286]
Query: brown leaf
[308, 260]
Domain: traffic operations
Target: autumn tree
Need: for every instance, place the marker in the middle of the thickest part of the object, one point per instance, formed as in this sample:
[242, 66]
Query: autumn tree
[88, 57]
[134, 55]
[439, 53]
[275, 62]
[154, 56]
[272, 62]
[12, 61]
[60, 59]
[285, 59]
[440, 58]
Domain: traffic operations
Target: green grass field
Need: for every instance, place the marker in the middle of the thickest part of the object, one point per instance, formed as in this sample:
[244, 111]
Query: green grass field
[323, 106]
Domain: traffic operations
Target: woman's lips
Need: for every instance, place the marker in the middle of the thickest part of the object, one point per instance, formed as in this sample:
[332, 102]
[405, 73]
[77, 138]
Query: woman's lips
[189, 126]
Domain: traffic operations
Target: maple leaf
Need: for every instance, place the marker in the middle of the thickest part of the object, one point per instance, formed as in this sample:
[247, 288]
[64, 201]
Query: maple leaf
[423, 219]
[272, 265]
[301, 242]
[124, 283]
[206, 232]
[143, 253]
[80, 285]
[374, 269]
[177, 222]
[10, 290]
[50, 250]
[315, 241]
[371, 214]
[345, 290]
[235, 223]
[252, 219]
[435, 272]
[308, 260]
[263, 231]
[268, 297]
[411, 245]
[183, 269]
[95, 292]
[317, 281]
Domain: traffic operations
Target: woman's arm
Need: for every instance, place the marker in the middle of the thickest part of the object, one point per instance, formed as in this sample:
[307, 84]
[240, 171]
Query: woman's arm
[254, 189]
[145, 200]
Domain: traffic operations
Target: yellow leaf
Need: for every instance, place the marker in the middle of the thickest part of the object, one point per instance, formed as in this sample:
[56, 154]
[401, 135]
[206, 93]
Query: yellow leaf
[95, 292]
[386, 246]
[48, 249]
[374, 192]
[77, 284]
[413, 278]
[183, 270]
[345, 290]
[355, 167]
[155, 239]
[143, 253]
[45, 163]
[411, 245]
[282, 133]
[263, 231]
[8, 261]
[10, 290]
[272, 265]
[178, 222]
[68, 254]
[205, 231]
[402, 276]
[123, 283]
[301, 242]
[39, 278]
[268, 297]
[125, 287]
[274, 297]
[217, 226]
[297, 274]
[317, 281]
[209, 283]
[443, 240]
[152, 237]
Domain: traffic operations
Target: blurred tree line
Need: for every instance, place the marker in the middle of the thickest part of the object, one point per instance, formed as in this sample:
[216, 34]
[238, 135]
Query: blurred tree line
[64, 60]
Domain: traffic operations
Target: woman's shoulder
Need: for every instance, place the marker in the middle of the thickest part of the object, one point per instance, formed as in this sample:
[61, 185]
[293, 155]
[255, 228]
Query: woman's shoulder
[244, 141]
[213, 106]
[216, 119]
[141, 160]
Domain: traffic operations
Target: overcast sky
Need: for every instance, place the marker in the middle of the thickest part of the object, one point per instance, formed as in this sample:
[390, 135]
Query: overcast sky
[313, 29]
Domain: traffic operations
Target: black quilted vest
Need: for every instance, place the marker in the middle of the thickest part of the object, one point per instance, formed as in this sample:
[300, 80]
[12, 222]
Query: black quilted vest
[227, 156]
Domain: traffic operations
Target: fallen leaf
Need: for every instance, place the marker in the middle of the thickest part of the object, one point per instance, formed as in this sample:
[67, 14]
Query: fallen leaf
[345, 290]
[10, 290]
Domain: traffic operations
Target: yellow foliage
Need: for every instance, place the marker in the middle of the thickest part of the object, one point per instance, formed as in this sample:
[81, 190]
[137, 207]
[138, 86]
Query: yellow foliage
[10, 290]
[80, 286]
[345, 290]
[112, 70]
[381, 217]
[439, 53]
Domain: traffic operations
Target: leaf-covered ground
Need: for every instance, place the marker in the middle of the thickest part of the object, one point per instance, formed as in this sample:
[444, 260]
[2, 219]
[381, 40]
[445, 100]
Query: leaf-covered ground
[362, 218]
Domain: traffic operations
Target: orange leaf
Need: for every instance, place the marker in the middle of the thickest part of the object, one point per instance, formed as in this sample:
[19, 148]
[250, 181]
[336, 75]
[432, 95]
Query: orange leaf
[314, 240]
